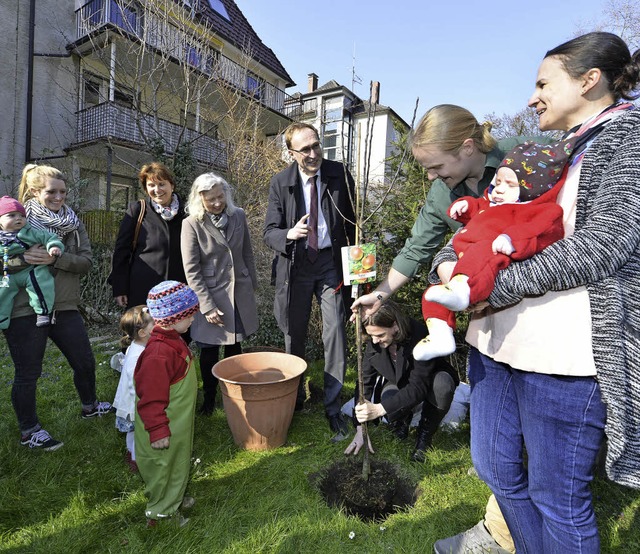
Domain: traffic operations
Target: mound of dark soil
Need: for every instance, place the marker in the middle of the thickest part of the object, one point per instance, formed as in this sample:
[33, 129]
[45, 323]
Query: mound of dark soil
[382, 494]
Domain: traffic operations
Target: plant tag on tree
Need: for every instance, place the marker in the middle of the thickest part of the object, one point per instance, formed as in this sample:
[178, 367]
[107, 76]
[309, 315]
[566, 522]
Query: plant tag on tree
[359, 263]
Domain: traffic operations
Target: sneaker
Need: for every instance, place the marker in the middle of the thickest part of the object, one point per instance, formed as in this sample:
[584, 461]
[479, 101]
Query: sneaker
[188, 502]
[116, 362]
[99, 409]
[182, 521]
[41, 439]
[339, 426]
[133, 465]
[177, 519]
[42, 320]
[475, 540]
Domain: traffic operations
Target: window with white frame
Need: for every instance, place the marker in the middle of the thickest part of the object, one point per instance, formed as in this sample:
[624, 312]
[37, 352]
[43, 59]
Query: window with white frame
[331, 128]
[95, 91]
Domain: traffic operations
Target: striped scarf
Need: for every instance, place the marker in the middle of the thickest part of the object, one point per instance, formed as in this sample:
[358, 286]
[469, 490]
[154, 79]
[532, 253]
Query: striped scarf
[61, 223]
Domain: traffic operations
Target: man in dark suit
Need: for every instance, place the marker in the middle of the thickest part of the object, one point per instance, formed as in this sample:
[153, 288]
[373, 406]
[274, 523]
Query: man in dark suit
[310, 217]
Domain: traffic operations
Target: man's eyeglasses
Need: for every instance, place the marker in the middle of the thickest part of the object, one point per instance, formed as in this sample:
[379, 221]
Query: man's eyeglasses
[307, 149]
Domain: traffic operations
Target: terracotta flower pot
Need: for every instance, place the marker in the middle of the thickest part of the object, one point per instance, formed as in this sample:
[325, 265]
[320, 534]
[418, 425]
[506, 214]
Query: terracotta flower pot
[259, 396]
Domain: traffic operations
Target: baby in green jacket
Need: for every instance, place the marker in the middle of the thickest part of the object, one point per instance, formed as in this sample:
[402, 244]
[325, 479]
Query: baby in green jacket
[17, 236]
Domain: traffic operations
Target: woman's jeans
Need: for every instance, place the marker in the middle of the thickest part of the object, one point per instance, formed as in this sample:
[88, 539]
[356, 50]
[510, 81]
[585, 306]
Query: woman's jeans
[560, 421]
[27, 344]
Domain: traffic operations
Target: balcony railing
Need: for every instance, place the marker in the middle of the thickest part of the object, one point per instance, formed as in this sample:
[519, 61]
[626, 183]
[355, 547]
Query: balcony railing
[96, 13]
[296, 109]
[110, 121]
[168, 39]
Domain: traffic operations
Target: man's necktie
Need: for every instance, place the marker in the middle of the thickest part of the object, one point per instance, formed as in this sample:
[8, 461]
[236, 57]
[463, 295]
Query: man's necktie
[312, 222]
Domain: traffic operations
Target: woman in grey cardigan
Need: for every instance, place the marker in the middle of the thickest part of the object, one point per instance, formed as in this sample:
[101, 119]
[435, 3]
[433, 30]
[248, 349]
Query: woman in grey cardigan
[219, 267]
[555, 363]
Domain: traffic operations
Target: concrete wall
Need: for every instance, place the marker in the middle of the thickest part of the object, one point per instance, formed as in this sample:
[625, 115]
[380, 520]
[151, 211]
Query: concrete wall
[54, 96]
[13, 85]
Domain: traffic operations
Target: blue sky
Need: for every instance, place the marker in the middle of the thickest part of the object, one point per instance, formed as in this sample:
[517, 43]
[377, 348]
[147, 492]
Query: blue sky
[483, 56]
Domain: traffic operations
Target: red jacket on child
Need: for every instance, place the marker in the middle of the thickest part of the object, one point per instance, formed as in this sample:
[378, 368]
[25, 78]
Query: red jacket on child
[164, 361]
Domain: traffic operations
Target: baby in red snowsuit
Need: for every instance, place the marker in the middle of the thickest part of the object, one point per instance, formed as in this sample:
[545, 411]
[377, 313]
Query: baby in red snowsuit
[516, 218]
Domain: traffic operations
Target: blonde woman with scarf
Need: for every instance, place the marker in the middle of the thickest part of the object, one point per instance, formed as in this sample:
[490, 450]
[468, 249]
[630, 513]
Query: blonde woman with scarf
[43, 192]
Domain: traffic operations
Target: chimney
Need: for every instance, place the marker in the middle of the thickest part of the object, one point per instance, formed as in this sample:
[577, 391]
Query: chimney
[313, 82]
[375, 92]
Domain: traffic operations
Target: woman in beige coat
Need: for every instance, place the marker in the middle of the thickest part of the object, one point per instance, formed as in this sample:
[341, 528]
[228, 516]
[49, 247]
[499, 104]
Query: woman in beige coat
[219, 267]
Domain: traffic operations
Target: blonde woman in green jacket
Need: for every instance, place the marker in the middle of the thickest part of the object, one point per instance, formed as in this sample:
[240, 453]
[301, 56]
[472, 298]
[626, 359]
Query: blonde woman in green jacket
[461, 157]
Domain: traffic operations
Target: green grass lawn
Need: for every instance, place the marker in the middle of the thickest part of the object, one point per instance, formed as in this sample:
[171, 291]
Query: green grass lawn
[82, 497]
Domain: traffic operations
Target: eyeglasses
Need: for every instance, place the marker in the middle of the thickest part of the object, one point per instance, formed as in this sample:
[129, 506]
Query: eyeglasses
[307, 149]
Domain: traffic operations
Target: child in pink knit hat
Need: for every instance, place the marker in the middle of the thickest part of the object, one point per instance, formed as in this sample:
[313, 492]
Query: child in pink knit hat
[16, 236]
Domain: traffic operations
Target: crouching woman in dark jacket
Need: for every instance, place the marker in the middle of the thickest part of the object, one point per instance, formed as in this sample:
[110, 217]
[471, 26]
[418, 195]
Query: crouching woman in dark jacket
[394, 382]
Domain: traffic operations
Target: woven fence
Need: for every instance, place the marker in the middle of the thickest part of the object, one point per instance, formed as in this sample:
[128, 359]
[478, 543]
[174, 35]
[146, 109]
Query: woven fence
[102, 226]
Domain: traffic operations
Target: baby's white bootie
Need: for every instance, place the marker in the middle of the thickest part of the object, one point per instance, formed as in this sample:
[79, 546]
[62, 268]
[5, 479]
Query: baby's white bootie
[454, 295]
[439, 342]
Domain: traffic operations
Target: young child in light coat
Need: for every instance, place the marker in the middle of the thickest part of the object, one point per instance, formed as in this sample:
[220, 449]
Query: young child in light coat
[136, 325]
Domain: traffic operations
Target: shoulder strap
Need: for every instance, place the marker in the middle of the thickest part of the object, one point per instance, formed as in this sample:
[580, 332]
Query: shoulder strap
[143, 208]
